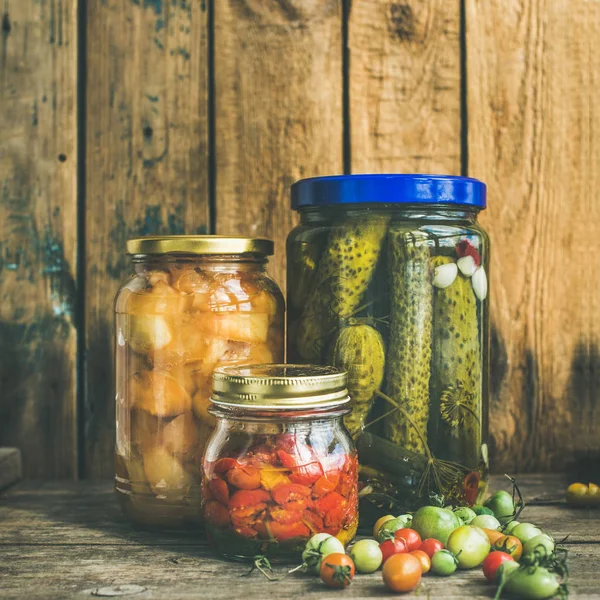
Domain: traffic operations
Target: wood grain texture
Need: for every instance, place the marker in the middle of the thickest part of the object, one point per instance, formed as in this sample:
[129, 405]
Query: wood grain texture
[404, 86]
[533, 108]
[278, 100]
[38, 215]
[66, 540]
[146, 164]
[10, 466]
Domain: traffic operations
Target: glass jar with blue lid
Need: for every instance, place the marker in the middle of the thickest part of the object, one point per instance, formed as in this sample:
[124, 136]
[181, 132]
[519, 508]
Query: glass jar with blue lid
[388, 280]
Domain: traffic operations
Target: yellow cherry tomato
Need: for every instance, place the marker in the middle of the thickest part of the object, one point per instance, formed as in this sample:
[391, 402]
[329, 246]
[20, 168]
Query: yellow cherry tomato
[380, 522]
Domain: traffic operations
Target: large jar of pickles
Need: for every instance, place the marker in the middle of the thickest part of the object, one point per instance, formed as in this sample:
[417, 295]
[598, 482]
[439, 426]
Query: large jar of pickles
[280, 466]
[192, 303]
[388, 279]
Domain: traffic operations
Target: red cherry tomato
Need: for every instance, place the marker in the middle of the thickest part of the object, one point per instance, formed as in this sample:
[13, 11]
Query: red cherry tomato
[224, 464]
[291, 493]
[391, 547]
[284, 531]
[244, 478]
[305, 468]
[410, 536]
[337, 570]
[219, 489]
[325, 484]
[430, 546]
[216, 514]
[491, 563]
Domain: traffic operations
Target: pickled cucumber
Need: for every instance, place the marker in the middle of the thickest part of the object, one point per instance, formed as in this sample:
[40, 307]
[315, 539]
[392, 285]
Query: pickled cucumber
[359, 350]
[409, 352]
[343, 275]
[456, 370]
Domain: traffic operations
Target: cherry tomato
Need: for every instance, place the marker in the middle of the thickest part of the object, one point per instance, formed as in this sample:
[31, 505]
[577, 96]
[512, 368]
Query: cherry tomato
[219, 489]
[543, 544]
[391, 547]
[216, 514]
[313, 521]
[244, 498]
[367, 556]
[410, 536]
[325, 484]
[333, 508]
[492, 561]
[380, 522]
[424, 559]
[430, 546]
[291, 493]
[470, 545]
[525, 531]
[402, 572]
[577, 493]
[244, 478]
[337, 570]
[493, 534]
[435, 522]
[502, 505]
[304, 465]
[224, 464]
[443, 563]
[286, 531]
[509, 544]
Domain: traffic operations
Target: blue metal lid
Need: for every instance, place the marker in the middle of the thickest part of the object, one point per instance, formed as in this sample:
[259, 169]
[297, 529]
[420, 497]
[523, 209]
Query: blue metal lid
[388, 189]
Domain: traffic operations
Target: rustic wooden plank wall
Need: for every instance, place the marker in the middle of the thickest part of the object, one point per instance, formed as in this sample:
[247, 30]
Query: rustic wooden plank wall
[38, 233]
[196, 115]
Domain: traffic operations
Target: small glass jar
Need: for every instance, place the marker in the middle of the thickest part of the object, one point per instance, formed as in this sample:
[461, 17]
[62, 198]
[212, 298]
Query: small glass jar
[388, 280]
[192, 303]
[280, 465]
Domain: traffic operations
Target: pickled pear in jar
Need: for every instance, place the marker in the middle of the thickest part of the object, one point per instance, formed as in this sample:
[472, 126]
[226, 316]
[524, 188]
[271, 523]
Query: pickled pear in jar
[192, 304]
[281, 465]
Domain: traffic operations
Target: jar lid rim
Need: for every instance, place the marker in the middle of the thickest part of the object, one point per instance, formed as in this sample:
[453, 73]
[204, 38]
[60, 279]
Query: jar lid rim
[391, 188]
[200, 244]
[279, 387]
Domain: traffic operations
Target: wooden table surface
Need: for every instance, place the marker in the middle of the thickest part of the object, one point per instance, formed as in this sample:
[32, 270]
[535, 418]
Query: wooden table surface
[69, 540]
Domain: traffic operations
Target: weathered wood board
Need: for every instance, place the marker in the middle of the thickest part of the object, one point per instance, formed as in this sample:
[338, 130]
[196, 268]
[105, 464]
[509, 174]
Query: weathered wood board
[69, 540]
[533, 105]
[38, 234]
[404, 83]
[278, 111]
[146, 165]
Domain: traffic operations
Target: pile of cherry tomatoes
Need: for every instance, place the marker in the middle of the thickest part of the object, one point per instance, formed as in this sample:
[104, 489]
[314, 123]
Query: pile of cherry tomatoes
[518, 557]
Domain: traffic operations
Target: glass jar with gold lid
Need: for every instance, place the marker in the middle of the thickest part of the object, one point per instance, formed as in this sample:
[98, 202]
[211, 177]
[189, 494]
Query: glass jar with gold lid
[191, 304]
[280, 465]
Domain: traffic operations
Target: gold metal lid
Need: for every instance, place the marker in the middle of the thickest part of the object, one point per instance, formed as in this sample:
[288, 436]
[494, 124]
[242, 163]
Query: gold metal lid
[279, 387]
[199, 244]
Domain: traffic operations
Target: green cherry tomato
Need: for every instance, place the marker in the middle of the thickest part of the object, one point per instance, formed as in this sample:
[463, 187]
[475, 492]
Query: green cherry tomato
[508, 528]
[534, 583]
[470, 544]
[320, 545]
[366, 555]
[389, 528]
[443, 563]
[478, 509]
[542, 543]
[435, 522]
[465, 514]
[525, 531]
[486, 522]
[502, 505]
